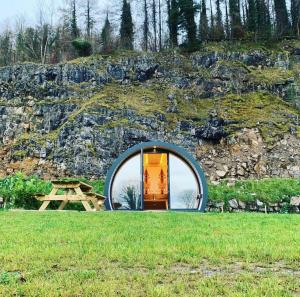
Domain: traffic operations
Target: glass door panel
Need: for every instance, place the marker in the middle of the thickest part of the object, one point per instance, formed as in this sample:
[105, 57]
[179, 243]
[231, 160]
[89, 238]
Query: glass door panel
[126, 187]
[184, 189]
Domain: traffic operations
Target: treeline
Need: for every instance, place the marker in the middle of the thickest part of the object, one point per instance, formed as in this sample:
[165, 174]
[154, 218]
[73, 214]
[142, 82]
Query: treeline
[150, 25]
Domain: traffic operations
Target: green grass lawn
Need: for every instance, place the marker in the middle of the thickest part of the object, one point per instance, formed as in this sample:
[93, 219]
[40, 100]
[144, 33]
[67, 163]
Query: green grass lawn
[149, 254]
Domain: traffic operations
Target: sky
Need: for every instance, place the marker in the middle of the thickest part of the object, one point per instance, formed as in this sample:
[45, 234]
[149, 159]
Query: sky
[11, 10]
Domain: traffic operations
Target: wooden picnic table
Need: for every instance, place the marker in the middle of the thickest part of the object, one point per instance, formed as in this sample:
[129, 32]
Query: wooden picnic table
[72, 191]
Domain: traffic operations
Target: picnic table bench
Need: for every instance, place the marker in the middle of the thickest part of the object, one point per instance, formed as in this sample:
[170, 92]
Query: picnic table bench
[72, 191]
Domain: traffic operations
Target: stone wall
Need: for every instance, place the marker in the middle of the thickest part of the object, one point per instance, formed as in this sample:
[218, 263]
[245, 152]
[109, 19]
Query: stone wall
[235, 205]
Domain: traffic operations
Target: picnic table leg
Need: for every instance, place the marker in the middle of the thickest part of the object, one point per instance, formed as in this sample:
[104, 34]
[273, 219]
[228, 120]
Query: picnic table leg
[86, 205]
[44, 205]
[95, 203]
[63, 204]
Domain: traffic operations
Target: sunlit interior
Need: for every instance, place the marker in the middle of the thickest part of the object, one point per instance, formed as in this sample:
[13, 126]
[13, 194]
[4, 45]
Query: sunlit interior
[155, 181]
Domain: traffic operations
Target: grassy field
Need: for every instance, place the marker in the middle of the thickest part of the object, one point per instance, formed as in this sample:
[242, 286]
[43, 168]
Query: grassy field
[149, 254]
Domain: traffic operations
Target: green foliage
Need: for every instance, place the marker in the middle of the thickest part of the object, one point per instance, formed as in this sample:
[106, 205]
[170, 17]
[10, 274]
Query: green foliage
[188, 9]
[107, 37]
[126, 28]
[83, 47]
[18, 190]
[283, 25]
[173, 20]
[235, 17]
[264, 27]
[203, 26]
[73, 21]
[272, 190]
[6, 49]
[10, 278]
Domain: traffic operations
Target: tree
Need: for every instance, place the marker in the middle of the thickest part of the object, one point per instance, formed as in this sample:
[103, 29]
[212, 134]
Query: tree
[106, 37]
[212, 23]
[282, 19]
[295, 16]
[263, 20]
[145, 27]
[173, 21]
[187, 13]
[227, 23]
[131, 197]
[159, 26]
[31, 44]
[235, 19]
[89, 19]
[219, 30]
[73, 21]
[154, 24]
[203, 27]
[126, 29]
[251, 18]
[188, 198]
[20, 48]
[6, 49]
[47, 37]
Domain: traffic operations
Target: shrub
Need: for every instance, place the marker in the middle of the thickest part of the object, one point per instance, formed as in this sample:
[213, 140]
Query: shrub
[82, 47]
[270, 190]
[18, 191]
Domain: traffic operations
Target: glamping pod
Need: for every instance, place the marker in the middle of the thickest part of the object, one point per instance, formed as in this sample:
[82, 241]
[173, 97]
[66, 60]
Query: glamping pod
[155, 176]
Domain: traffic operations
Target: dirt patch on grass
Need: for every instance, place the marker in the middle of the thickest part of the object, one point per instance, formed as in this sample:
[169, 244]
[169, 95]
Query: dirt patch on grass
[206, 269]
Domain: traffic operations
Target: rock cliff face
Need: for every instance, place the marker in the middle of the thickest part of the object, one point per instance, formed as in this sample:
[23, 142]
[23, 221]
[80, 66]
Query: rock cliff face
[235, 111]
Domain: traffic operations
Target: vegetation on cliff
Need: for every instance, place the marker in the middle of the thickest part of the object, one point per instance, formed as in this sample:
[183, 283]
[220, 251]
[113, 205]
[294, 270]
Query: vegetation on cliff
[208, 96]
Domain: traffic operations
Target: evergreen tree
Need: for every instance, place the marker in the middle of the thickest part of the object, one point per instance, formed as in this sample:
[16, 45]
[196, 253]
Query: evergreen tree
[235, 19]
[6, 52]
[73, 25]
[154, 23]
[263, 20]
[89, 19]
[126, 29]
[106, 37]
[251, 16]
[282, 19]
[227, 23]
[145, 27]
[295, 16]
[187, 13]
[173, 21]
[219, 30]
[212, 23]
[203, 27]
[20, 48]
[159, 26]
